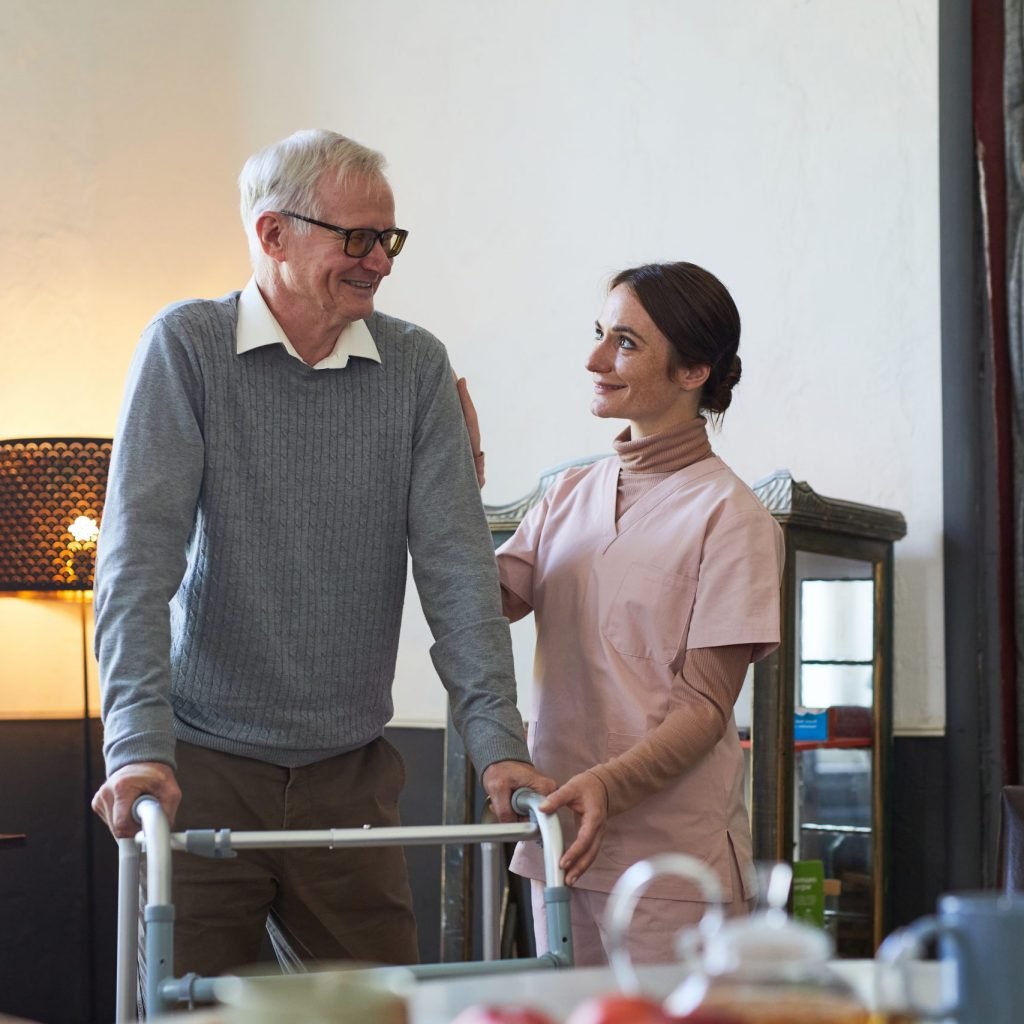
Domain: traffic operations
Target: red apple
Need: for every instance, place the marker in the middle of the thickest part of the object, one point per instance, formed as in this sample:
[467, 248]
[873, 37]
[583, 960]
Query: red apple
[709, 1016]
[619, 1009]
[502, 1015]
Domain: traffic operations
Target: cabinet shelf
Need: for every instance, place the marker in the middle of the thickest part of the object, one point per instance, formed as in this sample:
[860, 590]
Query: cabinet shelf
[842, 743]
[845, 743]
[851, 830]
[847, 915]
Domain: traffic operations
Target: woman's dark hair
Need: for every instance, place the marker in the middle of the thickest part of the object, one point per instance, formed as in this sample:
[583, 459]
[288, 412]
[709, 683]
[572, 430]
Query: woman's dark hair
[695, 312]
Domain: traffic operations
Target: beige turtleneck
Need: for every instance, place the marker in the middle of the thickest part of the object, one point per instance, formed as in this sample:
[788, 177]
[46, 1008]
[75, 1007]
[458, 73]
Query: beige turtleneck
[643, 464]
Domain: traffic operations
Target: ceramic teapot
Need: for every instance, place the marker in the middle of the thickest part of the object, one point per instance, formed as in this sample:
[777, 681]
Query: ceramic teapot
[760, 969]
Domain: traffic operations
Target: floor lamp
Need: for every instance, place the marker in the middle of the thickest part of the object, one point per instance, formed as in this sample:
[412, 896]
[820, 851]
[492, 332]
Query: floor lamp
[51, 502]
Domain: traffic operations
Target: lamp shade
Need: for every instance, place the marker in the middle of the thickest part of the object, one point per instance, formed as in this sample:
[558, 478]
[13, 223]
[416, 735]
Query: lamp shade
[51, 501]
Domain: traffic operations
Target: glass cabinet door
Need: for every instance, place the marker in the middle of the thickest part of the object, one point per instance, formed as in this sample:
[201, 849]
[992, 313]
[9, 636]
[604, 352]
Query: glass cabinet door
[820, 707]
[833, 714]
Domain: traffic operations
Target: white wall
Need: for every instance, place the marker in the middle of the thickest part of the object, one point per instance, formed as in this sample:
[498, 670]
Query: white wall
[535, 148]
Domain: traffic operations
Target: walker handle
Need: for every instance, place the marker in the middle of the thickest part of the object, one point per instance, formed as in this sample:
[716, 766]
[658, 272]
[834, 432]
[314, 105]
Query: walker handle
[137, 806]
[526, 801]
[522, 802]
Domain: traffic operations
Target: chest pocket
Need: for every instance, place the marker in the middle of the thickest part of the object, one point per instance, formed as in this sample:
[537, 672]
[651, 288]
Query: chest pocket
[650, 615]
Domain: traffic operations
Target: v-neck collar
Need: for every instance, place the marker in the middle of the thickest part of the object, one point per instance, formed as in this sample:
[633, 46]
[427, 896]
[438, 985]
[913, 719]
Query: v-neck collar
[646, 504]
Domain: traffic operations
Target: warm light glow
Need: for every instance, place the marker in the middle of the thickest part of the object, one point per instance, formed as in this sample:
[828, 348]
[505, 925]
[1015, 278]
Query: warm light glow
[84, 529]
[41, 665]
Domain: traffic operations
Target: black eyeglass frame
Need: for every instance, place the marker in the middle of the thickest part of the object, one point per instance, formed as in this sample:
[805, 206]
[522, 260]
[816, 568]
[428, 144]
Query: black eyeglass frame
[398, 235]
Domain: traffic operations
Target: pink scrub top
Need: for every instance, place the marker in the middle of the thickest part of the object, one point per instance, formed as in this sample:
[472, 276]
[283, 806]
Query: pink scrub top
[696, 562]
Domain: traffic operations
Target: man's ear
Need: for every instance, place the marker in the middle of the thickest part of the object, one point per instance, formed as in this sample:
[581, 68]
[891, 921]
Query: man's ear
[691, 378]
[270, 231]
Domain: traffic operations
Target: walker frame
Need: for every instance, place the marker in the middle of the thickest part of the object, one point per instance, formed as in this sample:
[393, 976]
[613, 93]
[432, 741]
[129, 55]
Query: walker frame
[156, 841]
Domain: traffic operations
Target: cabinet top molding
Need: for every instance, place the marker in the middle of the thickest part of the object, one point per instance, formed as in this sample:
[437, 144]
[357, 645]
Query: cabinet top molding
[795, 503]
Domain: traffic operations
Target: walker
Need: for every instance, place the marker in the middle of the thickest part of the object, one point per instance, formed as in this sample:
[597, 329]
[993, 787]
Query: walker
[163, 991]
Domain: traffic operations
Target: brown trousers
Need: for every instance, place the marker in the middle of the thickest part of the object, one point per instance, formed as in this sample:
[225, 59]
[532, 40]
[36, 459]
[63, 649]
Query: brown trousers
[342, 904]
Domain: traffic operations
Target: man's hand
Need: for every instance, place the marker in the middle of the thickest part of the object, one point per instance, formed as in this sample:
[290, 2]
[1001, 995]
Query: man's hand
[501, 779]
[586, 797]
[473, 426]
[114, 799]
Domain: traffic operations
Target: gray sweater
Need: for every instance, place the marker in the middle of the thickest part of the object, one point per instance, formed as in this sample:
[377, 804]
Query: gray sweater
[252, 557]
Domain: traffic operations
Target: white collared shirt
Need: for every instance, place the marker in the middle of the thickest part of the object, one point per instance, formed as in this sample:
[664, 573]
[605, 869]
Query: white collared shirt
[257, 326]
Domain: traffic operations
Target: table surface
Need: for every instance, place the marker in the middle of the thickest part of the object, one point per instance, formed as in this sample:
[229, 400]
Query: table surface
[556, 992]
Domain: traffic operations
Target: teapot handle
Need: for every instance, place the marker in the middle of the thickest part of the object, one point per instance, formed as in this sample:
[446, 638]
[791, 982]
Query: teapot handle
[630, 887]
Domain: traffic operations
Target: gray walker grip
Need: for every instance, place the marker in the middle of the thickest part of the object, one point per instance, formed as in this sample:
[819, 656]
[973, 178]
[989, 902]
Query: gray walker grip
[137, 805]
[210, 842]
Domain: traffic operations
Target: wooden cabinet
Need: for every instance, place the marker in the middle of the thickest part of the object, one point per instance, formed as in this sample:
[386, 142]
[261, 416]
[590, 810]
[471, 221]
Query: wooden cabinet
[825, 796]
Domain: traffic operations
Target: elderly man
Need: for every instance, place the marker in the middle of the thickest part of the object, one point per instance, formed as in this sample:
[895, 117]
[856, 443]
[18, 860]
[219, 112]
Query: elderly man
[278, 452]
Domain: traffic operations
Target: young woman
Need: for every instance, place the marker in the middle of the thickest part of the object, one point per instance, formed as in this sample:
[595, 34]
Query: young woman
[654, 579]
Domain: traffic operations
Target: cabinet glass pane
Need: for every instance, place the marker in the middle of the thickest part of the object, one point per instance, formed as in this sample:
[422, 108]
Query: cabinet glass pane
[835, 788]
[836, 620]
[822, 686]
[834, 826]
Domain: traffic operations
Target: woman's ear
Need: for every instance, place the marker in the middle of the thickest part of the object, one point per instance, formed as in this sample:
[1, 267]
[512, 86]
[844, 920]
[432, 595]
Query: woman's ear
[691, 378]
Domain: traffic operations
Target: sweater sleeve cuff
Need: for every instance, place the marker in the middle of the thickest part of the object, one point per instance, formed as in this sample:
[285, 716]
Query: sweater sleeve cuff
[475, 665]
[138, 748]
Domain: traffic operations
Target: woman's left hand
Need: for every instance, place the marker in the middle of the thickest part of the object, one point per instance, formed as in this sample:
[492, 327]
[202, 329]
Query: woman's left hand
[586, 797]
[472, 426]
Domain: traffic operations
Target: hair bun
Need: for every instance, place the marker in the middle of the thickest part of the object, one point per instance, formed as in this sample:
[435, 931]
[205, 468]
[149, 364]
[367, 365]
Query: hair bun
[721, 399]
[733, 374]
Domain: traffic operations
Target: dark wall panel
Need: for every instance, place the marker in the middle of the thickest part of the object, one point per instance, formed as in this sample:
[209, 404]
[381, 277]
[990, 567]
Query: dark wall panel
[920, 840]
[46, 949]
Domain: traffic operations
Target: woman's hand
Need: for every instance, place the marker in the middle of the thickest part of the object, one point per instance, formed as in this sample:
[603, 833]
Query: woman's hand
[586, 797]
[472, 426]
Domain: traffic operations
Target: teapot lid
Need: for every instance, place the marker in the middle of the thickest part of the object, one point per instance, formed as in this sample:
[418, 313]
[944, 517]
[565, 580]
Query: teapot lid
[763, 943]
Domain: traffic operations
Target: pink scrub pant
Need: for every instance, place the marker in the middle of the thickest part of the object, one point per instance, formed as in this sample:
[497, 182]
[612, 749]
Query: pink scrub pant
[652, 935]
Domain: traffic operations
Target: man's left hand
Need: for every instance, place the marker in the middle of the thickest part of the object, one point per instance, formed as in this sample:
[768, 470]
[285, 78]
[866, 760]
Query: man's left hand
[502, 778]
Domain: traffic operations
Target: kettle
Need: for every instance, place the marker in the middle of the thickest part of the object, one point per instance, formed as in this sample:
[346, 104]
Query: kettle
[761, 969]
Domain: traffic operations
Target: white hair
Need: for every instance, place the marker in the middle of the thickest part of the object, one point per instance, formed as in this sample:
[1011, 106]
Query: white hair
[284, 176]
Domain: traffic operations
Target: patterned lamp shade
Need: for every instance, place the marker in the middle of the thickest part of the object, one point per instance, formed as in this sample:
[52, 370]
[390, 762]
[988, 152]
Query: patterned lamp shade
[51, 500]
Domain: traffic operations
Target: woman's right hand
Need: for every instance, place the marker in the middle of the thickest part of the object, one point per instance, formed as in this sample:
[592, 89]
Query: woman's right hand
[586, 797]
[114, 800]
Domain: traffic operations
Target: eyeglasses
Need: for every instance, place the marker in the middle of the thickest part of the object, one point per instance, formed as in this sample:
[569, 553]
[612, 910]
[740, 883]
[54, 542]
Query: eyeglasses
[360, 241]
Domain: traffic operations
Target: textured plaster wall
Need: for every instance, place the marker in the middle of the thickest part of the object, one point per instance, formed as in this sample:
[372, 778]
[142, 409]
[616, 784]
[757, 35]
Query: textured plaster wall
[535, 148]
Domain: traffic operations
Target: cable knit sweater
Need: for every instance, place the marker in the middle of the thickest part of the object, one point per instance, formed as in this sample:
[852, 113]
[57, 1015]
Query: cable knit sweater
[253, 552]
